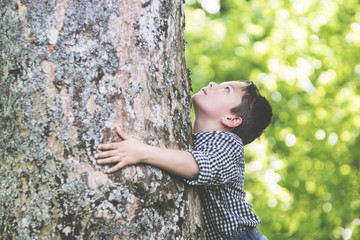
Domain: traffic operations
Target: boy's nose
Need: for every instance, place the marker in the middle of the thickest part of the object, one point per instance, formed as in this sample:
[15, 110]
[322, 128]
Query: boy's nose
[212, 84]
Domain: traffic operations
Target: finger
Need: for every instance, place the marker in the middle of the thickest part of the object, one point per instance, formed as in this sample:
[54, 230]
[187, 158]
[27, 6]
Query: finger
[122, 134]
[108, 160]
[115, 168]
[108, 146]
[104, 154]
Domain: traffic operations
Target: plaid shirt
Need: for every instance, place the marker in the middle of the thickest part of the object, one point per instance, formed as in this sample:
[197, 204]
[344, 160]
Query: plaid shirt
[220, 156]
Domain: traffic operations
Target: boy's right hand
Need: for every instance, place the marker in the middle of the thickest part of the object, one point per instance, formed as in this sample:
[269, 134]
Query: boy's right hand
[131, 151]
[127, 152]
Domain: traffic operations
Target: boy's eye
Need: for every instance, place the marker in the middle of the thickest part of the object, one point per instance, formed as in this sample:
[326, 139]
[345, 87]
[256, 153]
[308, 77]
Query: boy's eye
[227, 89]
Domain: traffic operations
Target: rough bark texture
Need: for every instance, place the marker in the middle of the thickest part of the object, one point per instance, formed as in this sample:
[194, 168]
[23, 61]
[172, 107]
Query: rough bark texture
[70, 71]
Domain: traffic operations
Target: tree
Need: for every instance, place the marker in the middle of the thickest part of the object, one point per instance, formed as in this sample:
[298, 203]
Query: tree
[70, 72]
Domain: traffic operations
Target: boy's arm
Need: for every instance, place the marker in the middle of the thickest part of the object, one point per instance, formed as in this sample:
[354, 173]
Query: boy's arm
[130, 151]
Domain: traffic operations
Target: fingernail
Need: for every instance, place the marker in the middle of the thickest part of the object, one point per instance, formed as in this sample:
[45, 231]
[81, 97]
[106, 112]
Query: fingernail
[95, 156]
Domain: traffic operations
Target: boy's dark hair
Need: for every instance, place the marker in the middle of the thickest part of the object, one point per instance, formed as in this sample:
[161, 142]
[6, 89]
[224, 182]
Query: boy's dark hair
[256, 114]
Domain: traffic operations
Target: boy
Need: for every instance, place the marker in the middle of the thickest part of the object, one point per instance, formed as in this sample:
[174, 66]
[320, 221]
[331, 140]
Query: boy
[227, 116]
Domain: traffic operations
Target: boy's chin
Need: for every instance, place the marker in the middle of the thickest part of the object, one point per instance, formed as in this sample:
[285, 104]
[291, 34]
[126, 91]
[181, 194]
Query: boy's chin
[195, 97]
[195, 101]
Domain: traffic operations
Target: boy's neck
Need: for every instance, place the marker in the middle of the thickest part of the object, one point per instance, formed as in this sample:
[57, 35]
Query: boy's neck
[207, 126]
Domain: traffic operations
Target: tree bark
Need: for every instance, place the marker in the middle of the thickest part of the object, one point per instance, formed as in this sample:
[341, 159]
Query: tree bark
[70, 72]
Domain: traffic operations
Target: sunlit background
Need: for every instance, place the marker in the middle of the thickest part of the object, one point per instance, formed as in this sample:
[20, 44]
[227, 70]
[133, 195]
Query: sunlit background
[303, 174]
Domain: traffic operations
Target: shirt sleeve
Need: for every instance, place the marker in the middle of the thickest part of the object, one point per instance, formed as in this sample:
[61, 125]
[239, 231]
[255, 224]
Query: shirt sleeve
[219, 162]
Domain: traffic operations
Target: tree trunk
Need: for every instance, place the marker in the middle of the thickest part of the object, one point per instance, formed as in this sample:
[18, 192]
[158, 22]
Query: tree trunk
[70, 72]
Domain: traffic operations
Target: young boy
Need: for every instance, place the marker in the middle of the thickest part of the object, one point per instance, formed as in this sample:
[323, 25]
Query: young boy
[227, 116]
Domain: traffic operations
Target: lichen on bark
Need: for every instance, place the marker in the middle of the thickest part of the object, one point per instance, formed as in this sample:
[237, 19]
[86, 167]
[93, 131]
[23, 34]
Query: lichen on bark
[70, 72]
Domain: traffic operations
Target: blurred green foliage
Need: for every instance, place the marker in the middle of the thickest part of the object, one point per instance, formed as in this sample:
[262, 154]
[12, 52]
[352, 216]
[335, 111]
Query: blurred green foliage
[303, 174]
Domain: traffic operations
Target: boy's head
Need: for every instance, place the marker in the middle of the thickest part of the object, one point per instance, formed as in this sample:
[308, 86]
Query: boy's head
[233, 106]
[256, 114]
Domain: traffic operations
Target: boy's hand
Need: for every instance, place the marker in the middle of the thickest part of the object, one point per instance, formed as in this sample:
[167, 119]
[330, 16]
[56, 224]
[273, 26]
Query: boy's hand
[127, 152]
[130, 151]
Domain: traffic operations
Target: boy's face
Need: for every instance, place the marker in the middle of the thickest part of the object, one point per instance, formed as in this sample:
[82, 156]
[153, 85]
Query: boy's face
[216, 100]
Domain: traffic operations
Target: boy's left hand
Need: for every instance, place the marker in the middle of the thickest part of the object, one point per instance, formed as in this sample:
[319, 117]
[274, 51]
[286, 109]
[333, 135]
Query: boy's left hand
[127, 152]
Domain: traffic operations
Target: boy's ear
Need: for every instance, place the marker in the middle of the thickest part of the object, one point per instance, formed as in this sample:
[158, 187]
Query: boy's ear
[231, 121]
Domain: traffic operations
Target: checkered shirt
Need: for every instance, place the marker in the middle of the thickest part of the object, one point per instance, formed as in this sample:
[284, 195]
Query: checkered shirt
[220, 156]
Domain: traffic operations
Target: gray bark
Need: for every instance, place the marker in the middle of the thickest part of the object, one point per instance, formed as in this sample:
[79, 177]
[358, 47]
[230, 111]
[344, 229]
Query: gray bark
[71, 71]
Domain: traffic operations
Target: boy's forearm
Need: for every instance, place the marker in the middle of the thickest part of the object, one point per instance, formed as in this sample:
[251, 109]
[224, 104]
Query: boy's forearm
[178, 162]
[131, 151]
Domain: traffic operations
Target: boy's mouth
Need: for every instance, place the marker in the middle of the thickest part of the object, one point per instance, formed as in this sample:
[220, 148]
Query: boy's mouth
[204, 91]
